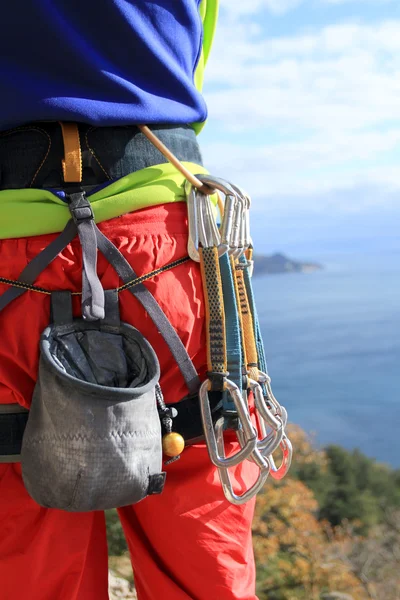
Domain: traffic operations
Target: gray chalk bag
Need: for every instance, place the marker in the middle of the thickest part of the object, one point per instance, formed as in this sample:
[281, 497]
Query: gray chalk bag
[93, 437]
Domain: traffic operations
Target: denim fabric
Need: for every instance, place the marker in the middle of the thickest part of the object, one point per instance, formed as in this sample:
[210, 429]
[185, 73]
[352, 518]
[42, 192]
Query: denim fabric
[30, 156]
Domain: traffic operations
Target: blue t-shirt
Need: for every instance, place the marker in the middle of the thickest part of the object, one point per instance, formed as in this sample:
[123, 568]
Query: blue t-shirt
[104, 62]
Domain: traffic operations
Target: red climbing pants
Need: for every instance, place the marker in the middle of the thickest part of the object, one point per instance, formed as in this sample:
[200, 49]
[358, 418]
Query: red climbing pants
[189, 543]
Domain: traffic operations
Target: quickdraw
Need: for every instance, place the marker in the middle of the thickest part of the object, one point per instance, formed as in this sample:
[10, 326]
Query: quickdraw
[236, 359]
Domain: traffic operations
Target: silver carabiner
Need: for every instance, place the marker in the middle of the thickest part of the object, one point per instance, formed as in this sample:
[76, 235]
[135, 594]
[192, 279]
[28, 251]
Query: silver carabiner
[280, 410]
[213, 444]
[244, 234]
[285, 444]
[256, 456]
[269, 441]
[247, 236]
[263, 408]
[208, 231]
[229, 209]
[236, 244]
[287, 452]
[203, 229]
[201, 226]
[193, 233]
[225, 477]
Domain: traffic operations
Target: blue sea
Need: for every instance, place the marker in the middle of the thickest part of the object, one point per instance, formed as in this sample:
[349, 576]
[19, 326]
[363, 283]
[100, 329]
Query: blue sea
[332, 340]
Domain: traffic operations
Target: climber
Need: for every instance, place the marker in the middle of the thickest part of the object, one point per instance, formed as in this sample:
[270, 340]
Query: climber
[101, 68]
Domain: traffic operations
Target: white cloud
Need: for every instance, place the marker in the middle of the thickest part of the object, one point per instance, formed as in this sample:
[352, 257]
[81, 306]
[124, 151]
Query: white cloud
[237, 8]
[332, 95]
[378, 2]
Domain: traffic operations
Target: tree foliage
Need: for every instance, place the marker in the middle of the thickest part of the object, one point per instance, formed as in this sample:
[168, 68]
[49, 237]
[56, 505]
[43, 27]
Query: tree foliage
[347, 485]
[324, 528]
[294, 551]
[115, 536]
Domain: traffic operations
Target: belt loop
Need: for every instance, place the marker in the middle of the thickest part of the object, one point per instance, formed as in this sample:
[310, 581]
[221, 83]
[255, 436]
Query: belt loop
[72, 161]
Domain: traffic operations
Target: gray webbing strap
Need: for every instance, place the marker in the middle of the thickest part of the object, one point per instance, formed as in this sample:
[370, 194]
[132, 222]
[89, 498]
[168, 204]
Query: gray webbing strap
[155, 312]
[112, 317]
[39, 263]
[61, 308]
[92, 290]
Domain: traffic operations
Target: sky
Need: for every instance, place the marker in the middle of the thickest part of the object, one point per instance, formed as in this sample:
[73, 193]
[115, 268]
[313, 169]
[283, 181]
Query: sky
[304, 113]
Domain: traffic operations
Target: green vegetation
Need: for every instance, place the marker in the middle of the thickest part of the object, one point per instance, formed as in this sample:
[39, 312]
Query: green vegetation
[349, 486]
[115, 535]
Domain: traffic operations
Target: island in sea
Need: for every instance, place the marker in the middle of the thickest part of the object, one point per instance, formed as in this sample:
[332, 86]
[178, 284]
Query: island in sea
[279, 263]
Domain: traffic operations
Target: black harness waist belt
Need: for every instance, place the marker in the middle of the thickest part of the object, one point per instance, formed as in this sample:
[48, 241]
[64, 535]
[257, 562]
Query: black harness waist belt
[13, 419]
[188, 420]
[108, 153]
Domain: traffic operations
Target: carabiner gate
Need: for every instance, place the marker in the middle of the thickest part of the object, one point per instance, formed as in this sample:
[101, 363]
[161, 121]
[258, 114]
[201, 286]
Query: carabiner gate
[269, 441]
[287, 452]
[224, 476]
[193, 233]
[213, 444]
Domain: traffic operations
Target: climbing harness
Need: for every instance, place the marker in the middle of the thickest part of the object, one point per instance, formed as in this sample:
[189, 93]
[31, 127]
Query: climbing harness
[93, 436]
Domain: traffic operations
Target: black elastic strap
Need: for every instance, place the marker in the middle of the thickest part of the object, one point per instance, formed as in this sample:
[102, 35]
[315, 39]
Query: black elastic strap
[188, 421]
[12, 427]
[155, 312]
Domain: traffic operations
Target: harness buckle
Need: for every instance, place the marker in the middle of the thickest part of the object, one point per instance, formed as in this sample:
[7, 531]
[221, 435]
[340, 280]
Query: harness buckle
[80, 207]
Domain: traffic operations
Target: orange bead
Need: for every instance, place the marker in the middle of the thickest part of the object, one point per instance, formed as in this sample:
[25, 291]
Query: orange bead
[173, 444]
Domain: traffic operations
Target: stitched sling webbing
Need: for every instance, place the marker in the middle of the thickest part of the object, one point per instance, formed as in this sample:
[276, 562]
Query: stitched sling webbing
[248, 335]
[232, 324]
[215, 317]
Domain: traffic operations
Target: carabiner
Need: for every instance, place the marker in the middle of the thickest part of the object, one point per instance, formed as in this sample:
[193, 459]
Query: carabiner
[236, 244]
[287, 452]
[208, 231]
[229, 209]
[213, 444]
[204, 242]
[244, 235]
[224, 476]
[262, 406]
[285, 444]
[193, 233]
[269, 441]
[280, 410]
[203, 230]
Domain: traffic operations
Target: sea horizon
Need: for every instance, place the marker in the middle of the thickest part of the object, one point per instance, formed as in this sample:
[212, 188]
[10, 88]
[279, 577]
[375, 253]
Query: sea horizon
[333, 348]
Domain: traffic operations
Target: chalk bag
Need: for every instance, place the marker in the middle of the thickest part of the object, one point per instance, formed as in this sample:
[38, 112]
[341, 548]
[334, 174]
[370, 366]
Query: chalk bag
[93, 437]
